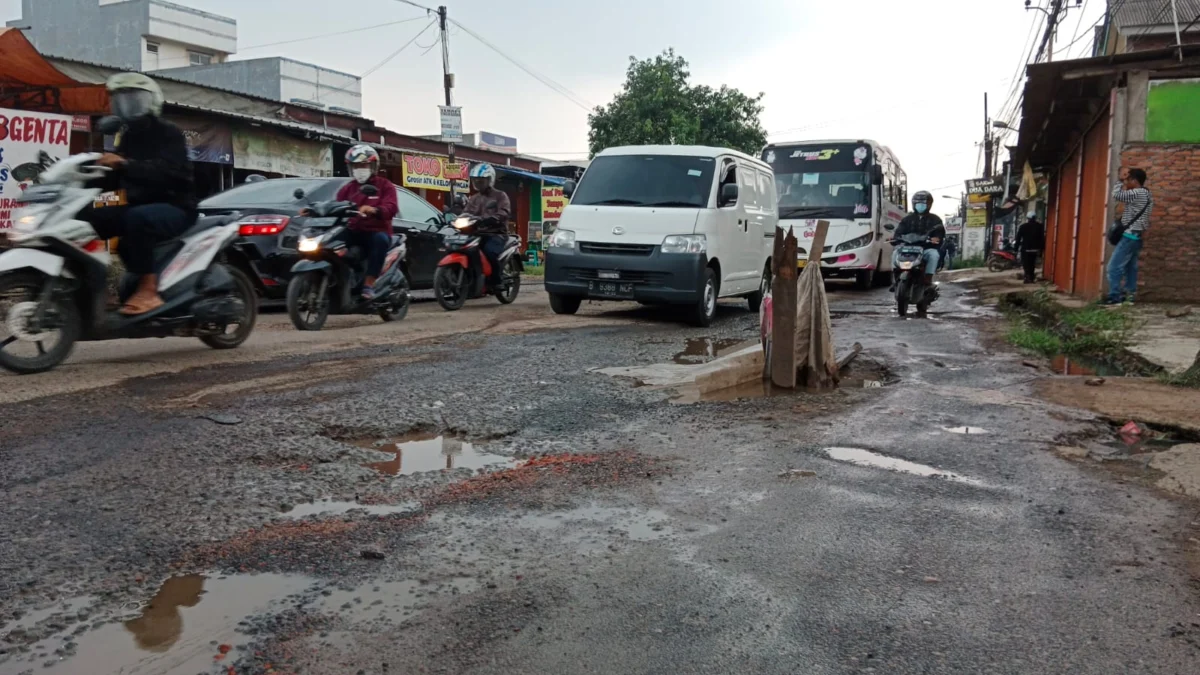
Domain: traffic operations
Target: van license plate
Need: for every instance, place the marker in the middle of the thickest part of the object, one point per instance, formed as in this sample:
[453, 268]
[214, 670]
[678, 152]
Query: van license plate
[610, 289]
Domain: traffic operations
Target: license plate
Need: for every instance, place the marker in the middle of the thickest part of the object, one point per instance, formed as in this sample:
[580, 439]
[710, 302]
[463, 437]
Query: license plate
[604, 274]
[610, 289]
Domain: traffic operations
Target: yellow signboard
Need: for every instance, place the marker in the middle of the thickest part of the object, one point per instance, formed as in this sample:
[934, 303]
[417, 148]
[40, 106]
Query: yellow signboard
[433, 173]
[553, 202]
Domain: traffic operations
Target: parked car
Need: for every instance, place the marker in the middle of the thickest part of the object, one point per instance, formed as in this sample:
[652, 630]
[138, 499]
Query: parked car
[271, 227]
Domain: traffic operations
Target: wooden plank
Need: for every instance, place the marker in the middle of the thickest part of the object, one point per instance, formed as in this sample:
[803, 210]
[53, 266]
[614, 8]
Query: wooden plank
[818, 242]
[783, 311]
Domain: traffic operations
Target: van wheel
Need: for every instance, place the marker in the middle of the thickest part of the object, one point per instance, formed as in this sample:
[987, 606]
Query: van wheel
[864, 280]
[705, 309]
[755, 299]
[563, 304]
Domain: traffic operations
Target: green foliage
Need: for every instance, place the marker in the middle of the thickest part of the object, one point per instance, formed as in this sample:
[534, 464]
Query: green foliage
[658, 107]
[1038, 340]
[968, 263]
[1042, 325]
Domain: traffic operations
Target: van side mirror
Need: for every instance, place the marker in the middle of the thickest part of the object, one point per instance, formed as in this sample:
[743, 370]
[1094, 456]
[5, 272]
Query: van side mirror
[569, 188]
[729, 195]
[877, 175]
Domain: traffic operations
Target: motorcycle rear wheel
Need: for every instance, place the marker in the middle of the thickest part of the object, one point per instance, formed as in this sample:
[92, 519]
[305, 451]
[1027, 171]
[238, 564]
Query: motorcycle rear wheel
[26, 288]
[302, 295]
[249, 298]
[995, 264]
[450, 287]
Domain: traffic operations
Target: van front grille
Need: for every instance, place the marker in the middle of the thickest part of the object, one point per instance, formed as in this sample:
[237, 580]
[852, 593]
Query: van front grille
[616, 249]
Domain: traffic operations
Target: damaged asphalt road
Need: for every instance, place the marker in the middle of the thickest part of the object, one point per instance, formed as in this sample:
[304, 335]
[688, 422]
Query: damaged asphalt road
[590, 525]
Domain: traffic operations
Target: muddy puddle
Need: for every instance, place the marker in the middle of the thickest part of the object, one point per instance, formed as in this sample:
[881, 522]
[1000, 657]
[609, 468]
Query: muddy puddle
[330, 507]
[430, 451]
[861, 457]
[179, 631]
[758, 389]
[703, 350]
[1082, 366]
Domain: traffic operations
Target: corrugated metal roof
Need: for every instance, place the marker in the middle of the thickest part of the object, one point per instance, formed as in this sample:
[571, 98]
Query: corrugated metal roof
[1133, 13]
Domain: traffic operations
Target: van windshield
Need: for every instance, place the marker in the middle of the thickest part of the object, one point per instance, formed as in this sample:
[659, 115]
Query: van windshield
[667, 181]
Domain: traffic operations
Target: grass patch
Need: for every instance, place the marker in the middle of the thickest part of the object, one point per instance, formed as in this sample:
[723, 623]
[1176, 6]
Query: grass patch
[1041, 325]
[968, 263]
[1038, 340]
[535, 271]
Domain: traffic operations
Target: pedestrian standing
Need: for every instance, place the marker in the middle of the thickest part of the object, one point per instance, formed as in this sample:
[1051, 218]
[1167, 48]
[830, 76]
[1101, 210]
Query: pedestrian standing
[1129, 232]
[1031, 239]
[950, 251]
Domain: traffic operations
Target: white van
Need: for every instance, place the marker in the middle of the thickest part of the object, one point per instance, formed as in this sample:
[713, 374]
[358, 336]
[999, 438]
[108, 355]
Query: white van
[665, 224]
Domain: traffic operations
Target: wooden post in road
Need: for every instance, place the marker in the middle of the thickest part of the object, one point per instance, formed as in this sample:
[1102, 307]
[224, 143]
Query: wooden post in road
[814, 339]
[783, 310]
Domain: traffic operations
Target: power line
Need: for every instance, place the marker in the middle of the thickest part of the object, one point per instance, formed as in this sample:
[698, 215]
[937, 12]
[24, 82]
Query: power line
[558, 88]
[413, 4]
[396, 53]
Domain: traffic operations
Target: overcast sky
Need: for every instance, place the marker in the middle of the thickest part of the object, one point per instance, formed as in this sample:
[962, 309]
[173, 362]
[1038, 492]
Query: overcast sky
[910, 75]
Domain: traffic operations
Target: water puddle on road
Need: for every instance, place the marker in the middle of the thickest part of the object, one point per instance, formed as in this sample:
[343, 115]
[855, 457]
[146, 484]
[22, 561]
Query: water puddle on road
[703, 350]
[178, 632]
[862, 457]
[430, 451]
[329, 507]
[1063, 364]
[978, 431]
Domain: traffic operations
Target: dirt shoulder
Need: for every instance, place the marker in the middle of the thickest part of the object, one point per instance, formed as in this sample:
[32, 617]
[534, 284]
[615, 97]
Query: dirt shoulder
[1127, 398]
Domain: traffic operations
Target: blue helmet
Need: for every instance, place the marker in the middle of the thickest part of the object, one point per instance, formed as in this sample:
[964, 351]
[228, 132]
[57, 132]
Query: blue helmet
[483, 174]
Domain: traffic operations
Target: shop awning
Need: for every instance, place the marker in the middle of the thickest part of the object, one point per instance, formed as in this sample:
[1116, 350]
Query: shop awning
[29, 82]
[553, 180]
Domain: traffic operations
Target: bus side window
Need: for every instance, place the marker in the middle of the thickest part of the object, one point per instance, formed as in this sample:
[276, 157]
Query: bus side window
[903, 189]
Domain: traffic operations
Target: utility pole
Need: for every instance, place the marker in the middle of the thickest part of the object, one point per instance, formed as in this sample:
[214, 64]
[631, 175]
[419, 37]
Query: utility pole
[987, 139]
[447, 76]
[1054, 15]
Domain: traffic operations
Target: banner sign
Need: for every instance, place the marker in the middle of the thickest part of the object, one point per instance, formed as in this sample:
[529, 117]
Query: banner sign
[276, 152]
[29, 143]
[553, 202]
[452, 130]
[985, 186]
[81, 123]
[954, 225]
[433, 173]
[207, 141]
[496, 143]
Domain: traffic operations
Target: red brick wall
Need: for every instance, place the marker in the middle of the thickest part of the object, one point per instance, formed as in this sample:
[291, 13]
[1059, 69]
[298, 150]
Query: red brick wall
[1169, 269]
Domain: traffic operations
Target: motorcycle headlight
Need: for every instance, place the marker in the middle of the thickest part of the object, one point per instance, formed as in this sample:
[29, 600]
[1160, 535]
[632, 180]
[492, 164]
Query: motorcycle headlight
[855, 243]
[685, 243]
[29, 218]
[462, 223]
[562, 239]
[308, 244]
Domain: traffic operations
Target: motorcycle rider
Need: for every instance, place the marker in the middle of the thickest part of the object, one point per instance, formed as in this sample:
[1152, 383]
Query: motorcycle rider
[152, 180]
[920, 221]
[493, 207]
[373, 230]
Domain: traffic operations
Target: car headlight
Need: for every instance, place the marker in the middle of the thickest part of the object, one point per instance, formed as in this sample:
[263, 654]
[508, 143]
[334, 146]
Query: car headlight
[855, 243]
[685, 243]
[308, 244]
[562, 239]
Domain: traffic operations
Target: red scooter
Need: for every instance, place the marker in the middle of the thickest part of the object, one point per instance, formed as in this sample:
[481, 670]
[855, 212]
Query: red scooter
[463, 273]
[1003, 259]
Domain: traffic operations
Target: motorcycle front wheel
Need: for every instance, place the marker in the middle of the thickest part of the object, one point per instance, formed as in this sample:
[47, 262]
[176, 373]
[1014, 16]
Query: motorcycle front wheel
[397, 308]
[512, 283]
[23, 348]
[244, 290]
[450, 287]
[307, 304]
[902, 292]
[995, 264]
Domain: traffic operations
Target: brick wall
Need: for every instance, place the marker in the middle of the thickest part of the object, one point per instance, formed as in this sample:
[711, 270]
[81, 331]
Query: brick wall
[1169, 269]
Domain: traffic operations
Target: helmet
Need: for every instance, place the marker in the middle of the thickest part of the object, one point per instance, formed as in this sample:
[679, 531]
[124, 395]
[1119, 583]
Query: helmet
[134, 96]
[357, 157]
[483, 176]
[923, 197]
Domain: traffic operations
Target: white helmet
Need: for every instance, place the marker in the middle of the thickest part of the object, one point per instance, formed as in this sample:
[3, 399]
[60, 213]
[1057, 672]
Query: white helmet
[133, 96]
[483, 175]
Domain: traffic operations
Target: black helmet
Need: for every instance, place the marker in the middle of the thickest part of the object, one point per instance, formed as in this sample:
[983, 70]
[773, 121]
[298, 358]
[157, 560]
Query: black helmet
[923, 197]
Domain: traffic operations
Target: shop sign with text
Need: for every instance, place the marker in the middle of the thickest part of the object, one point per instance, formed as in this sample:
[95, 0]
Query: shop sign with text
[553, 202]
[433, 173]
[29, 143]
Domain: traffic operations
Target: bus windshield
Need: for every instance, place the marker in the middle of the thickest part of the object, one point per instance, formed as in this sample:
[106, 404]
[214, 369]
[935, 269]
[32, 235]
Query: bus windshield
[827, 181]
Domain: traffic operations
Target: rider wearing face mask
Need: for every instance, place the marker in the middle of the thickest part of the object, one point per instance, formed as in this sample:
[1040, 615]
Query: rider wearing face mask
[921, 221]
[373, 230]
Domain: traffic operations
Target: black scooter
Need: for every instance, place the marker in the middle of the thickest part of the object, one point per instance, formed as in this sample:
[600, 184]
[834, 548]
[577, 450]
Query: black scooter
[330, 276]
[912, 285]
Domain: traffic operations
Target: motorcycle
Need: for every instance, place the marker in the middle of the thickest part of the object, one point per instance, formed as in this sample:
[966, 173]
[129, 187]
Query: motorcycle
[1003, 259]
[913, 286]
[330, 275]
[463, 273]
[56, 278]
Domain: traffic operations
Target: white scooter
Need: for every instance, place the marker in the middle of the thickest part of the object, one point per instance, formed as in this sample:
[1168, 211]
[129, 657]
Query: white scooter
[53, 282]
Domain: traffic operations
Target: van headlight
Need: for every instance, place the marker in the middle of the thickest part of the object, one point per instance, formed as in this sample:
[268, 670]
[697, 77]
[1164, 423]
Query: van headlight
[308, 244]
[685, 243]
[856, 243]
[562, 239]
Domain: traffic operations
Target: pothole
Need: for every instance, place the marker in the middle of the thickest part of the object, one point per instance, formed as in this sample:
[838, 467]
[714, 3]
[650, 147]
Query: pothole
[1064, 364]
[177, 632]
[705, 349]
[330, 507]
[393, 601]
[637, 525]
[861, 457]
[424, 451]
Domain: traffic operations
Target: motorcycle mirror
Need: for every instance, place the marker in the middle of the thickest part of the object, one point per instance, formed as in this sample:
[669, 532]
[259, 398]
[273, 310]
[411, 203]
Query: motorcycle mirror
[109, 124]
[298, 194]
[368, 190]
[889, 227]
[877, 175]
[569, 189]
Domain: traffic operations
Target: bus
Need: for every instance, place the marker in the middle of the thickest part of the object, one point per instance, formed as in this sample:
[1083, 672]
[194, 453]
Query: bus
[855, 185]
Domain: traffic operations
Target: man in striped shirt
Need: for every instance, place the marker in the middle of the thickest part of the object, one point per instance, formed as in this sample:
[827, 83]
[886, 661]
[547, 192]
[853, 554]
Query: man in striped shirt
[1123, 265]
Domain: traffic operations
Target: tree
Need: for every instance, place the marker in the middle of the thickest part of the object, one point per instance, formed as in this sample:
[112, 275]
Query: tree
[657, 106]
